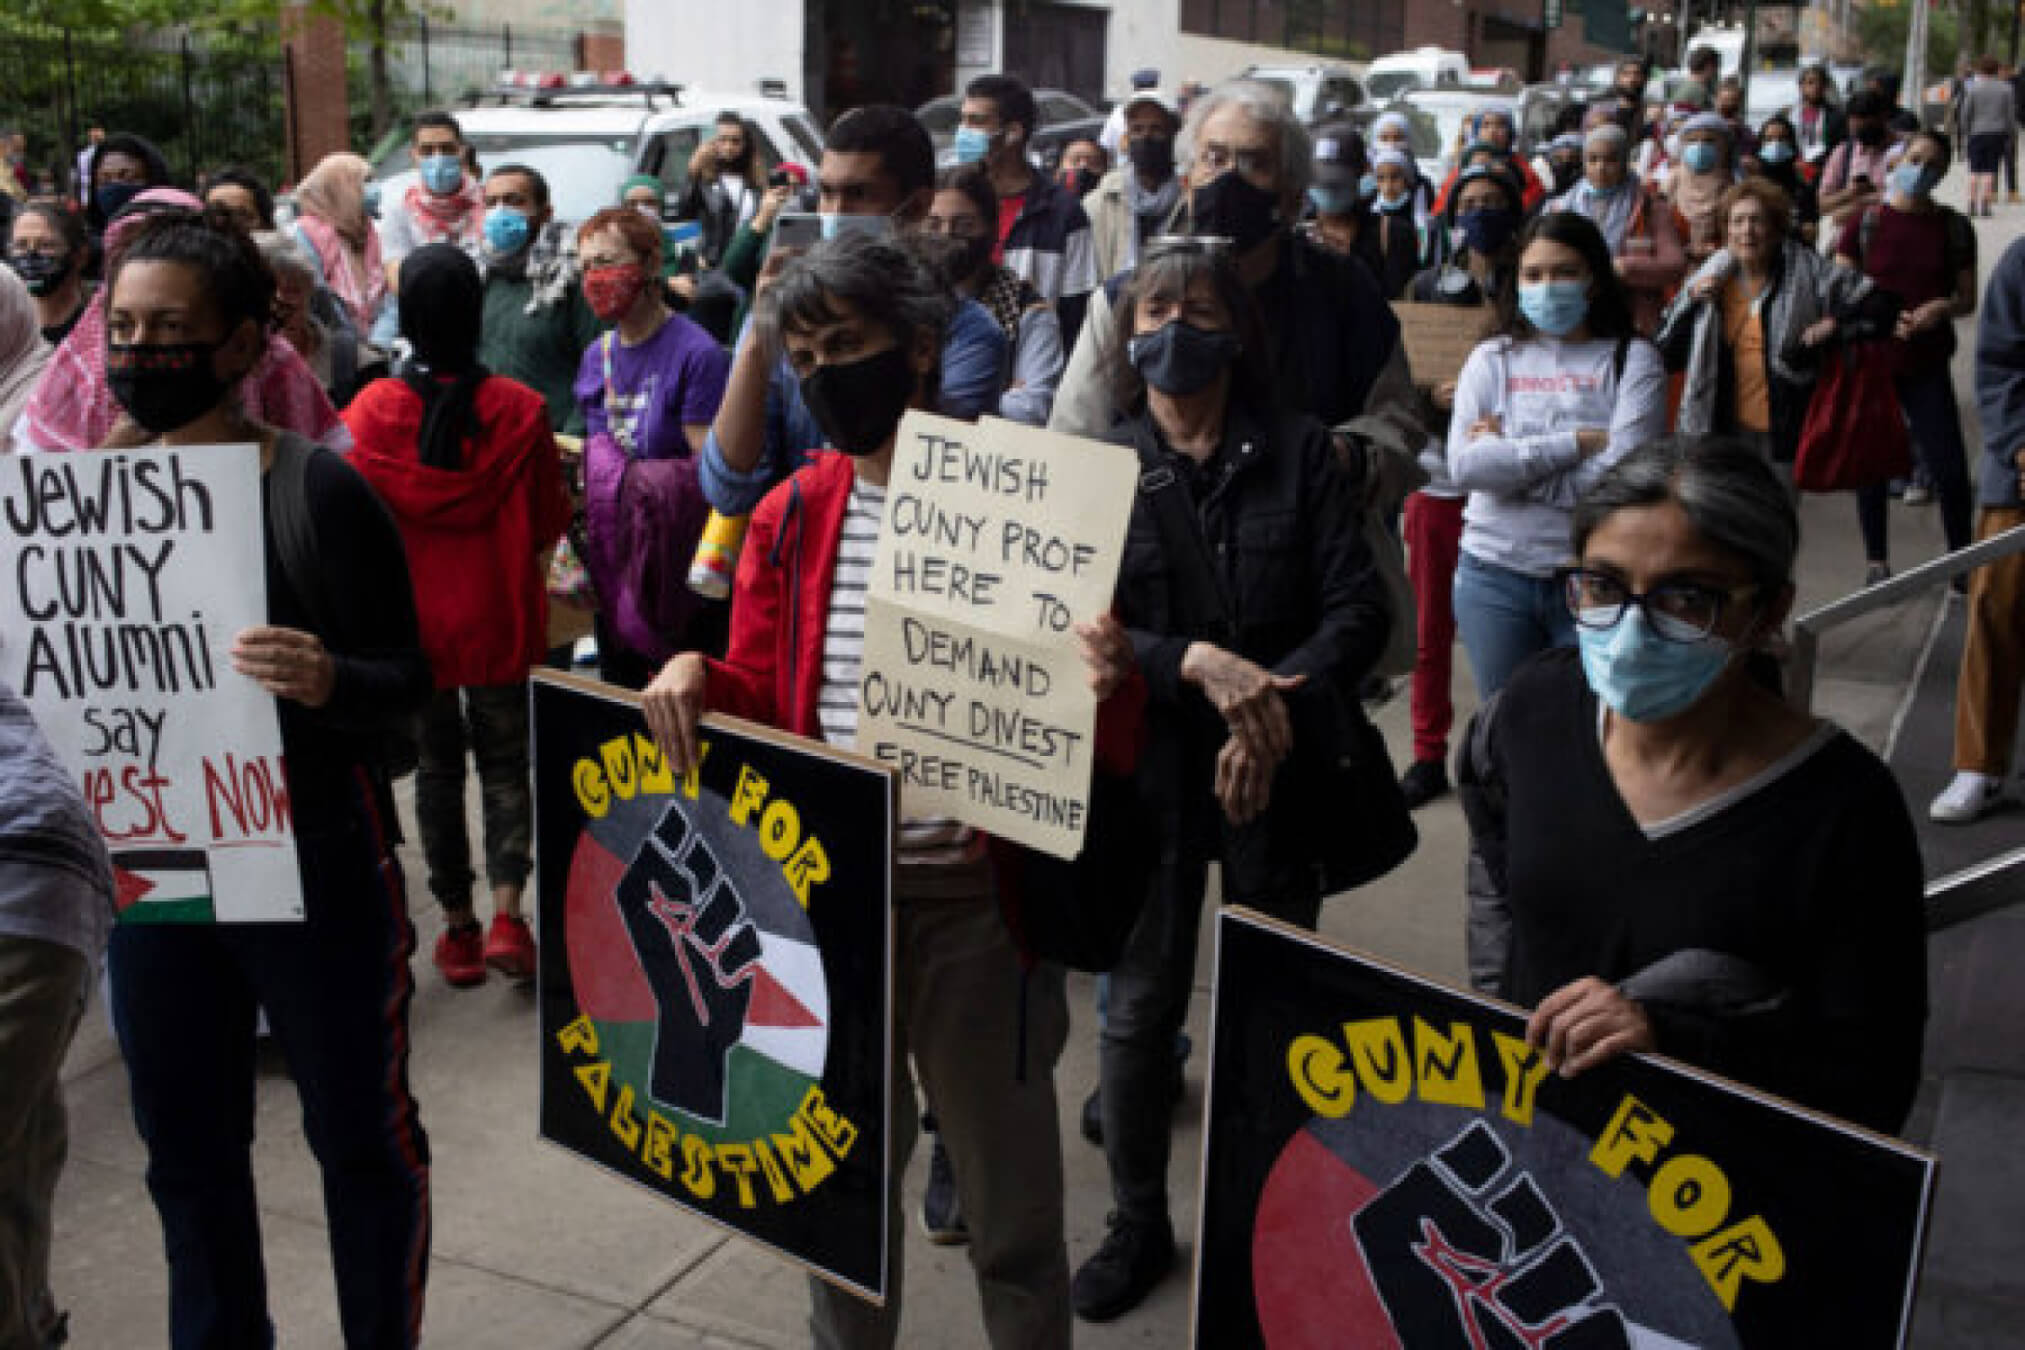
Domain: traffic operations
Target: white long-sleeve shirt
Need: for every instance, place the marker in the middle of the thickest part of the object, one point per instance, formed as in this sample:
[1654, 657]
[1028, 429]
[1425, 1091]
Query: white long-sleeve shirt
[1524, 481]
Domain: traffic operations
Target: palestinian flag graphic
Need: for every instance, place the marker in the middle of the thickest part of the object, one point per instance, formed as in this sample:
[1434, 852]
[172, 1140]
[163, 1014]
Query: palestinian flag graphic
[170, 885]
[708, 995]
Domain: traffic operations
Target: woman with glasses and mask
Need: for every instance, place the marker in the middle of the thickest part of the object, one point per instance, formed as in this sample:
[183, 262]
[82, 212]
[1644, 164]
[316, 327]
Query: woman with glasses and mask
[1248, 602]
[960, 224]
[47, 247]
[1666, 856]
[1562, 391]
[1641, 228]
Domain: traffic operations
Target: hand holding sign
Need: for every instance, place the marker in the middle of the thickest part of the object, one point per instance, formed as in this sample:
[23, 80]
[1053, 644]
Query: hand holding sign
[287, 663]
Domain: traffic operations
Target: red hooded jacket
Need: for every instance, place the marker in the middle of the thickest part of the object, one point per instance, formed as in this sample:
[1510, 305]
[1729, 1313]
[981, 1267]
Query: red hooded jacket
[475, 535]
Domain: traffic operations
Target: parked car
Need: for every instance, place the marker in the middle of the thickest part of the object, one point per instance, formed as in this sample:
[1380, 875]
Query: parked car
[1771, 91]
[1422, 68]
[1045, 149]
[1450, 109]
[586, 139]
[1053, 107]
[1423, 133]
[1317, 93]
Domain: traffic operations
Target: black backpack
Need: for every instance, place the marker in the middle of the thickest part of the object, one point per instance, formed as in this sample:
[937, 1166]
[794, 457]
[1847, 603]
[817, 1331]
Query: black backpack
[392, 746]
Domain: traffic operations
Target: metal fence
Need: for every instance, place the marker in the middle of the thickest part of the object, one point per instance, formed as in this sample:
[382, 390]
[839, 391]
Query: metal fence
[433, 64]
[207, 99]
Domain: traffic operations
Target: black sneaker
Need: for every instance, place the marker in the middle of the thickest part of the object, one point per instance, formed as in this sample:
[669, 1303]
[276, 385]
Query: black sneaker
[941, 1215]
[1093, 1117]
[1423, 781]
[1135, 1258]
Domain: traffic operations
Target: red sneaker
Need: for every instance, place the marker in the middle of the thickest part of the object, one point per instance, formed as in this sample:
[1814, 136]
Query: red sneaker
[509, 948]
[460, 955]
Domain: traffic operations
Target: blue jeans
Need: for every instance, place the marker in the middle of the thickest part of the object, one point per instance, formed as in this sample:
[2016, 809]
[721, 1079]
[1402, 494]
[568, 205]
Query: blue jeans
[335, 989]
[1505, 617]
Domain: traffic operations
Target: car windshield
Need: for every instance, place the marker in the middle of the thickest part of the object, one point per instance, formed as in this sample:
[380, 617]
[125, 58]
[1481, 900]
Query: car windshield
[583, 173]
[1393, 83]
[1449, 111]
[938, 118]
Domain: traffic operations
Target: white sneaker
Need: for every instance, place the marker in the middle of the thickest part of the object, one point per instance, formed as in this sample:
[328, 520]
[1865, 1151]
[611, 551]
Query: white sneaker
[1967, 798]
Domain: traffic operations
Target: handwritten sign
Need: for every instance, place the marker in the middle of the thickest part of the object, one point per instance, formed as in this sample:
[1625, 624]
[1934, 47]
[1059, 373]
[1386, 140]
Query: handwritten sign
[1439, 338]
[998, 539]
[126, 578]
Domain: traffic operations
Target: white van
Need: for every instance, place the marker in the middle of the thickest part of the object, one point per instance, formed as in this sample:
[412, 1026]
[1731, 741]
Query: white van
[1422, 68]
[587, 137]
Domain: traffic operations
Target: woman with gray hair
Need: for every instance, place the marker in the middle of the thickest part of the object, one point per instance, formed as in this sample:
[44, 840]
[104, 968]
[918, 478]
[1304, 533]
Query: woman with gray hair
[862, 320]
[1641, 228]
[311, 320]
[1666, 856]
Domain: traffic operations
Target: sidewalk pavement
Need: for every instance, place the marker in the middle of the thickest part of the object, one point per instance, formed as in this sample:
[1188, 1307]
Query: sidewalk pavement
[535, 1250]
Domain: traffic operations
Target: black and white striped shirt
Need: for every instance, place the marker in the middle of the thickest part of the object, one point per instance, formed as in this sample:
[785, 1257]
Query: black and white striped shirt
[934, 840]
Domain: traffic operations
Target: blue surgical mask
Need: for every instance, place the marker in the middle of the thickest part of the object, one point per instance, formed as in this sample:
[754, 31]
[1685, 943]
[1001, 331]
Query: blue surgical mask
[1776, 152]
[442, 174]
[506, 231]
[836, 223]
[1699, 156]
[1367, 186]
[1645, 677]
[1910, 179]
[1333, 201]
[1606, 192]
[371, 199]
[971, 145]
[1556, 308]
[1393, 205]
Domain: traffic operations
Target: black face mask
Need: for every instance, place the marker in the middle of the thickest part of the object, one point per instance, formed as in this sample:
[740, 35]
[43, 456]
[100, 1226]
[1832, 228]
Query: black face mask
[1233, 208]
[39, 273]
[1565, 176]
[165, 385]
[859, 404]
[1082, 181]
[1870, 136]
[1182, 359]
[1152, 156]
[954, 259]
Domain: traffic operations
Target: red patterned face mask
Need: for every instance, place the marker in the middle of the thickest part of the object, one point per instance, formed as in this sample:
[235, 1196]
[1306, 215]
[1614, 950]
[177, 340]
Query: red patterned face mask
[611, 291]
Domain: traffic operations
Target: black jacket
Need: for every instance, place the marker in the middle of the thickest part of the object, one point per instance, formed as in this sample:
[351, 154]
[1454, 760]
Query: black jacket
[1281, 528]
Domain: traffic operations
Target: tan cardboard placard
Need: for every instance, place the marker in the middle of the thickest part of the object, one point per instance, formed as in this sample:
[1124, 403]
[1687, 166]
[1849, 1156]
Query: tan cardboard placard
[998, 539]
[1439, 338]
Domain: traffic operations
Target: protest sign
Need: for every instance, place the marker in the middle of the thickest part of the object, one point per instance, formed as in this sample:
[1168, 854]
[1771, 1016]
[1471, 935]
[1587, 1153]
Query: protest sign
[998, 539]
[1386, 1163]
[1439, 338]
[127, 577]
[716, 973]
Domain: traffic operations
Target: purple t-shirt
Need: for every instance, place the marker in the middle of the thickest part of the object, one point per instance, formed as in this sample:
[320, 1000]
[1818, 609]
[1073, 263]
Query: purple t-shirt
[674, 378]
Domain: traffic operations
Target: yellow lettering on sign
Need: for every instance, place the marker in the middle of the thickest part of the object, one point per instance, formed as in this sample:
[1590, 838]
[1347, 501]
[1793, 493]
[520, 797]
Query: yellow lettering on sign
[1445, 1067]
[1321, 1078]
[1635, 1134]
[1378, 1049]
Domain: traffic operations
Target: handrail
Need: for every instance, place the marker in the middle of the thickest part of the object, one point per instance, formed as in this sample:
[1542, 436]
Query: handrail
[1974, 891]
[1808, 628]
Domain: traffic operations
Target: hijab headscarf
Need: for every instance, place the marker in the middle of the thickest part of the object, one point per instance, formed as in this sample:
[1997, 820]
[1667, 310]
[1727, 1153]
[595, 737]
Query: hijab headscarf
[23, 353]
[442, 314]
[1696, 194]
[73, 408]
[1611, 212]
[330, 211]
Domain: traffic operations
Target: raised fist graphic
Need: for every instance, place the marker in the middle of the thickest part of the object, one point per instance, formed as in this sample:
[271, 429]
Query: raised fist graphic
[1466, 1252]
[698, 951]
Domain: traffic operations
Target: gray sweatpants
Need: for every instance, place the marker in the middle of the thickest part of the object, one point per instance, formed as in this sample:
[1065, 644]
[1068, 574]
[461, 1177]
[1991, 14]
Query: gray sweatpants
[42, 993]
[957, 991]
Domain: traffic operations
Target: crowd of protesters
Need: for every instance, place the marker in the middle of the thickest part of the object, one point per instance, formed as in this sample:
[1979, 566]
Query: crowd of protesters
[486, 406]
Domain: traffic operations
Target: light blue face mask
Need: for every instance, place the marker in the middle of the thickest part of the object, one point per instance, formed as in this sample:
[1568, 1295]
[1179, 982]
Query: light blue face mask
[1910, 179]
[1776, 152]
[506, 231]
[371, 198]
[1367, 186]
[1556, 308]
[1333, 201]
[836, 223]
[971, 145]
[1644, 677]
[442, 174]
[1699, 156]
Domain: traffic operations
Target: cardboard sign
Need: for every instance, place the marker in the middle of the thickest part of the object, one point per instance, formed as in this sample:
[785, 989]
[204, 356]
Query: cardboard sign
[998, 539]
[1439, 338]
[1387, 1164]
[716, 973]
[127, 577]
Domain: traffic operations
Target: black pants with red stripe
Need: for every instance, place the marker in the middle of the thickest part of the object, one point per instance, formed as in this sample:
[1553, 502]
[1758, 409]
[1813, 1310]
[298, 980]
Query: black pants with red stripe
[336, 990]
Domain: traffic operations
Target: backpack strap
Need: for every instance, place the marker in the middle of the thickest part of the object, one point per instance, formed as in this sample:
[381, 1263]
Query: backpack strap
[286, 491]
[1617, 359]
[1208, 608]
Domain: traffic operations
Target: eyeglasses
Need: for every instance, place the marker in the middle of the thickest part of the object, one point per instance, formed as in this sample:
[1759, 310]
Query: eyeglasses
[1679, 611]
[1221, 159]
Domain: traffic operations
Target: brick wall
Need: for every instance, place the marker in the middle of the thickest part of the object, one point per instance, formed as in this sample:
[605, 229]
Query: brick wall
[319, 112]
[1436, 23]
[601, 51]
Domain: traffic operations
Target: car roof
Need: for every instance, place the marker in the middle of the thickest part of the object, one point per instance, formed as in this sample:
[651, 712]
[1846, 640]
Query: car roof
[607, 114]
[1456, 98]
